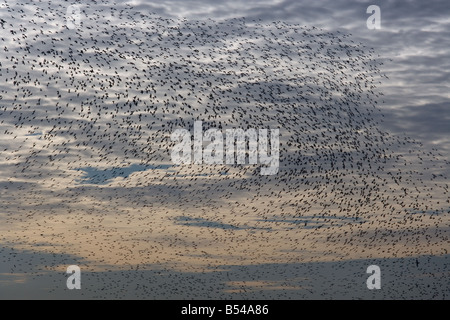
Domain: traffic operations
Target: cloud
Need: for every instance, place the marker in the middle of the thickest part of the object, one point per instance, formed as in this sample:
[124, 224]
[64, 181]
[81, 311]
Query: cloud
[97, 105]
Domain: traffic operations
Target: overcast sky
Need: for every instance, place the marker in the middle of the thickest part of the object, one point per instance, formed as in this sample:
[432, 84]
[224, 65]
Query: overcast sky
[40, 171]
[414, 34]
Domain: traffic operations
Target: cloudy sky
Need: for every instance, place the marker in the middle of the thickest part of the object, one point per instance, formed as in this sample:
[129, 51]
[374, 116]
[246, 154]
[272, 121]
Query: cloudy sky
[414, 34]
[82, 180]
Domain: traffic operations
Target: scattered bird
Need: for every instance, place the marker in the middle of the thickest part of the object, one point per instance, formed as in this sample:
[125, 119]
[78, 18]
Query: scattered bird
[86, 177]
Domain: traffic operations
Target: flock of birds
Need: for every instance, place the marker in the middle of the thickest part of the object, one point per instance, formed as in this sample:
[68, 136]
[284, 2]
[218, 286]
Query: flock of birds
[107, 95]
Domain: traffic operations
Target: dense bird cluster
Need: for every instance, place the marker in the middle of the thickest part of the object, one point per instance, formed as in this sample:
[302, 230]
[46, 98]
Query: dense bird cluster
[86, 177]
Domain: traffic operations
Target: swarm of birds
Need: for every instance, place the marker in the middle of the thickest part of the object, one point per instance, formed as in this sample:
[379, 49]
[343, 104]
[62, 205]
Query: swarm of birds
[86, 175]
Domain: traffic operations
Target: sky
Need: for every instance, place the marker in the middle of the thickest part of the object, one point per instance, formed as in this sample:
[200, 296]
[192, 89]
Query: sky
[414, 34]
[86, 176]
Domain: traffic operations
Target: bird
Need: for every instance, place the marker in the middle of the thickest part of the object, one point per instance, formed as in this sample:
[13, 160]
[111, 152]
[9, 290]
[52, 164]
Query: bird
[86, 176]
